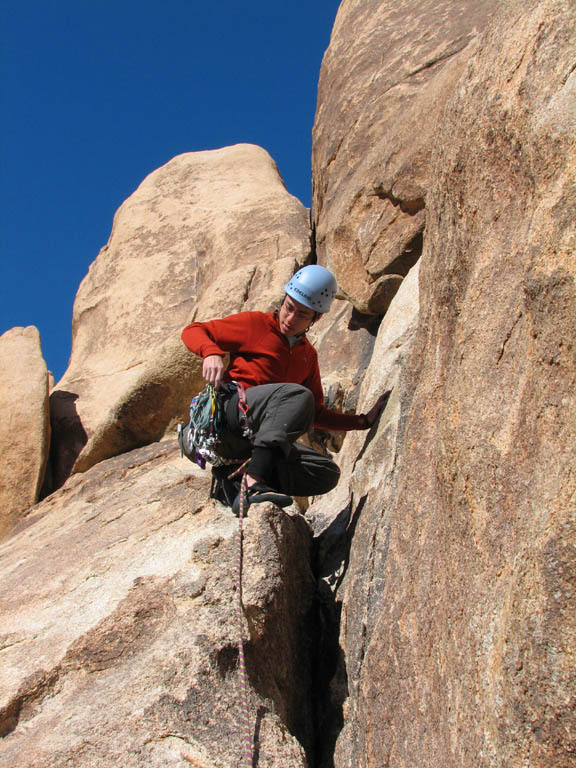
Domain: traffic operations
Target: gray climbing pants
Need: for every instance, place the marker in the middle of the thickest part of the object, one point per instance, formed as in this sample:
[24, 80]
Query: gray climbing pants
[278, 415]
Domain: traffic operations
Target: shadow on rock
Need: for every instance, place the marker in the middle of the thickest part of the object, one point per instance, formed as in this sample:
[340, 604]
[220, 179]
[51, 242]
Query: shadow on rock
[68, 439]
[332, 555]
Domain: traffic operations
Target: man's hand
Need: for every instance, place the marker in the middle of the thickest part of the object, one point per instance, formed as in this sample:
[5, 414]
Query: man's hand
[374, 412]
[213, 370]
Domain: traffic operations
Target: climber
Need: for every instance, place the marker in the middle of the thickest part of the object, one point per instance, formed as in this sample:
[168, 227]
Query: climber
[278, 367]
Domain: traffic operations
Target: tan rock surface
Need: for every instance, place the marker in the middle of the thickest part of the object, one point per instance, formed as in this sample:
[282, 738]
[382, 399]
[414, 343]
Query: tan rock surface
[344, 340]
[362, 470]
[25, 422]
[459, 629]
[446, 555]
[383, 85]
[208, 234]
[118, 624]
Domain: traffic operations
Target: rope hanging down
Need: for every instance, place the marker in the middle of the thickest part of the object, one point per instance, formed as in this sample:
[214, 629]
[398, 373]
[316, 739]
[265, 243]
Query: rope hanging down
[246, 728]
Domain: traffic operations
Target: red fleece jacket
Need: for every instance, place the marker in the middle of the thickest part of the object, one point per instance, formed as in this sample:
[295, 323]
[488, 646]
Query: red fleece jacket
[261, 354]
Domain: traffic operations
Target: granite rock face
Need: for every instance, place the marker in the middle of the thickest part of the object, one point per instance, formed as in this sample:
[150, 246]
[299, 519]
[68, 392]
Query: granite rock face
[458, 622]
[431, 623]
[118, 624]
[208, 234]
[25, 422]
[351, 526]
[385, 79]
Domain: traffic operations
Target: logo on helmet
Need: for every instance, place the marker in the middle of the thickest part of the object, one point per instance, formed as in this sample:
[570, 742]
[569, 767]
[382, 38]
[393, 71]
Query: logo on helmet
[314, 286]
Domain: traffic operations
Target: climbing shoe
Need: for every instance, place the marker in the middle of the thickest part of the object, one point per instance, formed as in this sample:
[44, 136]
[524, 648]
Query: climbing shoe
[259, 493]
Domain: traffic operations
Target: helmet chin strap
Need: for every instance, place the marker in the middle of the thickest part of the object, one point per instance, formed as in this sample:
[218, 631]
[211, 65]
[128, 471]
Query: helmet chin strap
[316, 316]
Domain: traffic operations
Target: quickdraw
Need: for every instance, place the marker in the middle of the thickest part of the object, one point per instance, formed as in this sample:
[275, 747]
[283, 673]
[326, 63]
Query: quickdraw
[243, 408]
[199, 440]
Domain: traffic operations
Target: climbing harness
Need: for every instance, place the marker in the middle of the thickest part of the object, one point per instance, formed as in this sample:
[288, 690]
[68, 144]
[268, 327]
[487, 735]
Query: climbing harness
[247, 431]
[248, 748]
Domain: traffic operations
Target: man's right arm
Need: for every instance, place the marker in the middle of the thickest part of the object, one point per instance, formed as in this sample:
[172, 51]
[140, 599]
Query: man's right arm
[200, 339]
[217, 337]
[213, 339]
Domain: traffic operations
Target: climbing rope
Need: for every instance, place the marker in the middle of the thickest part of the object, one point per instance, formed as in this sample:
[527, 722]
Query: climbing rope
[200, 444]
[248, 748]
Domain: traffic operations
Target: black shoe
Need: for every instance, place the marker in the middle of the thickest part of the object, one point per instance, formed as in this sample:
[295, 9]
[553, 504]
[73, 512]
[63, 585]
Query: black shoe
[259, 493]
[223, 489]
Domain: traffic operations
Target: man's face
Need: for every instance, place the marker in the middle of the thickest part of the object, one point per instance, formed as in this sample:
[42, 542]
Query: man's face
[294, 318]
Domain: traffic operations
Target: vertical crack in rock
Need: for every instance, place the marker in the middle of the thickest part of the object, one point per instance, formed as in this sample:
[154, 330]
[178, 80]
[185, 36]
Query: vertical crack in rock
[331, 555]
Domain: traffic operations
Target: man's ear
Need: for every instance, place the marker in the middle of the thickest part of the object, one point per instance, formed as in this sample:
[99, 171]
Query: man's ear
[317, 316]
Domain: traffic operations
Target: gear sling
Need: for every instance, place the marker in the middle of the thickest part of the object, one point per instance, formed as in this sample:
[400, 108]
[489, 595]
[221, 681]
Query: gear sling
[202, 439]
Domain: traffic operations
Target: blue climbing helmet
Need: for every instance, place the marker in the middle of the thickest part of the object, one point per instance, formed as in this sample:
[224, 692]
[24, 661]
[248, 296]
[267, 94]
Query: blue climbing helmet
[314, 286]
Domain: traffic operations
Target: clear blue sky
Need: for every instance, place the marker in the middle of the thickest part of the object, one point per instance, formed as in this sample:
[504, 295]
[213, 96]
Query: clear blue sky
[96, 94]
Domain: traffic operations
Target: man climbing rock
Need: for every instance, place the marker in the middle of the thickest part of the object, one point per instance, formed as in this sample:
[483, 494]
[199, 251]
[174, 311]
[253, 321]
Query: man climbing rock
[278, 367]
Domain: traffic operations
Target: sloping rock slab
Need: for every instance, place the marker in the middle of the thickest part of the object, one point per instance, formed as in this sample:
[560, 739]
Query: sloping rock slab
[118, 629]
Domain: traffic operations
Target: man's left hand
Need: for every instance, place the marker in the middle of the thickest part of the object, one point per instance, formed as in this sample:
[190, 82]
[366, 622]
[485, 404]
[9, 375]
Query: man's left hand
[374, 412]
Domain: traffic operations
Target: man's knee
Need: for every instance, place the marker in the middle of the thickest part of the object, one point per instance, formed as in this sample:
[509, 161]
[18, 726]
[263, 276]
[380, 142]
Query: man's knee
[306, 472]
[326, 477]
[305, 399]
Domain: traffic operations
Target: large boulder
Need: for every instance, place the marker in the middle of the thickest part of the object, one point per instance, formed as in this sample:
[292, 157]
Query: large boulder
[119, 624]
[208, 234]
[384, 82]
[25, 422]
[458, 590]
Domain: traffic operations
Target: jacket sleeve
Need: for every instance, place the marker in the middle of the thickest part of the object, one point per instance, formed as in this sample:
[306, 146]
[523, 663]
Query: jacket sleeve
[217, 337]
[334, 421]
[325, 418]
